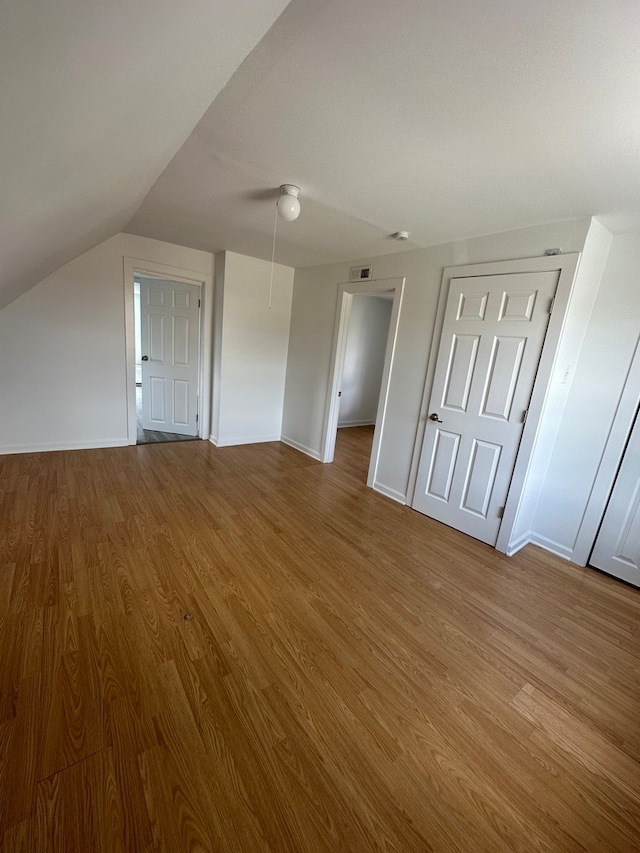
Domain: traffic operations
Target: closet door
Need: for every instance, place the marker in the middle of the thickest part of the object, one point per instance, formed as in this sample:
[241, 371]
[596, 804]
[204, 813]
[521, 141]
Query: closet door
[617, 548]
[493, 333]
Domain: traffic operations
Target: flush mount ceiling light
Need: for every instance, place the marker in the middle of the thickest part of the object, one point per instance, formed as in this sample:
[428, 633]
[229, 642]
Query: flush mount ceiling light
[288, 204]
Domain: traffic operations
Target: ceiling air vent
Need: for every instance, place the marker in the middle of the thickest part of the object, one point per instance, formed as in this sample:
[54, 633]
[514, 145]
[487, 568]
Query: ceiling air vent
[361, 273]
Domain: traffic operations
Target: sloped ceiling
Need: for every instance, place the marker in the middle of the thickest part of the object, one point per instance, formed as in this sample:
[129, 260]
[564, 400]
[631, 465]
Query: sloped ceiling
[95, 99]
[448, 120]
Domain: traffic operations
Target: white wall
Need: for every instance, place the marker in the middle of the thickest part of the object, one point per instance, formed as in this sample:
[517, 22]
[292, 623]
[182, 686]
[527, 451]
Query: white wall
[364, 360]
[599, 375]
[552, 431]
[218, 313]
[250, 354]
[312, 323]
[63, 381]
[600, 336]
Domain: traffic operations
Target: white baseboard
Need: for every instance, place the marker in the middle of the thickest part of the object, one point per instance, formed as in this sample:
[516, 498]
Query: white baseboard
[550, 545]
[367, 422]
[64, 445]
[390, 493]
[518, 544]
[250, 439]
[301, 447]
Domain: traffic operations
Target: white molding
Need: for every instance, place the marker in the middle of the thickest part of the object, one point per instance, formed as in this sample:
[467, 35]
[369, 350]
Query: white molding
[551, 545]
[346, 292]
[99, 444]
[347, 424]
[610, 462]
[133, 266]
[301, 447]
[518, 544]
[250, 439]
[389, 493]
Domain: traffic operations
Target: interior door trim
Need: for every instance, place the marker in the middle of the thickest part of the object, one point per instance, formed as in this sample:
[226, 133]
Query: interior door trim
[346, 292]
[567, 266]
[138, 266]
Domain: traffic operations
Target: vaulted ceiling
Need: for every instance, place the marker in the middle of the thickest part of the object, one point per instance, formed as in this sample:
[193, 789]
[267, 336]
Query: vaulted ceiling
[96, 97]
[447, 120]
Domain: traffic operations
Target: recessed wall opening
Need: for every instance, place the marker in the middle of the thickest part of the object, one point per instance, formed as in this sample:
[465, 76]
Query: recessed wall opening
[364, 345]
[359, 393]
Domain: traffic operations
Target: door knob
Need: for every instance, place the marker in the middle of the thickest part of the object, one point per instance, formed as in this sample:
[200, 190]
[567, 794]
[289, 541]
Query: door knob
[145, 358]
[435, 417]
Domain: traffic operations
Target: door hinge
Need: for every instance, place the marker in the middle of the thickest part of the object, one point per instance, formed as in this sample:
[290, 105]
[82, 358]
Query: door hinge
[524, 416]
[197, 416]
[551, 304]
[500, 512]
[198, 303]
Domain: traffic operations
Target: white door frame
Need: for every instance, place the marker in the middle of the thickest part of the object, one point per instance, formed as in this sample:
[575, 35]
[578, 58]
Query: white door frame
[346, 292]
[137, 266]
[567, 266]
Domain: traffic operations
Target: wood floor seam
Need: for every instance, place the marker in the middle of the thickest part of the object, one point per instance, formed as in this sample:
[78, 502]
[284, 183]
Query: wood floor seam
[71, 765]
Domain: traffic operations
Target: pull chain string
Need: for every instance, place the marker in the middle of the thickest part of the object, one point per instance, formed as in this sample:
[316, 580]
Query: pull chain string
[273, 254]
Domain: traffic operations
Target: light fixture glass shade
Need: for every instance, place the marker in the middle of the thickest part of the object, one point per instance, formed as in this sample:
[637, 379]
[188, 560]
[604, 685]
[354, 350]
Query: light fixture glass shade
[288, 204]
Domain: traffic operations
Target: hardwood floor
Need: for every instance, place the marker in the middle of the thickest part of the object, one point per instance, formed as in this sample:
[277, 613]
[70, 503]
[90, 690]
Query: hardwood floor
[241, 649]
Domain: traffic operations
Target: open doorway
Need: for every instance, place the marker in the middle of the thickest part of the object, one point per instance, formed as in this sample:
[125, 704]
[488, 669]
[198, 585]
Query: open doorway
[359, 394]
[165, 342]
[365, 335]
[166, 353]
[134, 269]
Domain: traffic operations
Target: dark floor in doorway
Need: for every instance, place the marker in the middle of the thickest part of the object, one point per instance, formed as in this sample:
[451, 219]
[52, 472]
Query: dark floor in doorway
[150, 436]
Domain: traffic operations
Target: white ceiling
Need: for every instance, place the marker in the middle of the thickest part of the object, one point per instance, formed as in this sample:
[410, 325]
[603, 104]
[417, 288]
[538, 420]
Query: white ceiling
[95, 99]
[448, 120]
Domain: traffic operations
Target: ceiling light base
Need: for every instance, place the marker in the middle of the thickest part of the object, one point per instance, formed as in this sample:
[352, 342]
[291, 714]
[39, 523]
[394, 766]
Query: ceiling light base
[289, 189]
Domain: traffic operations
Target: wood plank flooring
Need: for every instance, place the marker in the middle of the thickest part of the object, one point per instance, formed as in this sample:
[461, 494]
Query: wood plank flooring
[241, 649]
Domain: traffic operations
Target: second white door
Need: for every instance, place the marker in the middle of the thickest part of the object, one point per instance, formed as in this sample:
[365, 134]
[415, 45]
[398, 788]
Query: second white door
[492, 337]
[170, 321]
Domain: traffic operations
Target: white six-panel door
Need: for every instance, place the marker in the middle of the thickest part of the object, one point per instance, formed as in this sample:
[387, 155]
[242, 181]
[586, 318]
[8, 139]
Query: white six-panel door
[492, 337]
[169, 313]
[617, 548]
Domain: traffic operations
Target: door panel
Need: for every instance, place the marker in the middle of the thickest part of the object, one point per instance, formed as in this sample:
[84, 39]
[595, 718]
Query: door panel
[170, 330]
[157, 398]
[181, 339]
[443, 465]
[462, 361]
[504, 368]
[480, 477]
[180, 402]
[156, 344]
[491, 341]
[617, 548]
